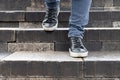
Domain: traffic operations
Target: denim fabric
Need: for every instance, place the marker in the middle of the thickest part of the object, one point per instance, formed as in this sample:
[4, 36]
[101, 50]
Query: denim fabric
[52, 5]
[79, 16]
[50, 1]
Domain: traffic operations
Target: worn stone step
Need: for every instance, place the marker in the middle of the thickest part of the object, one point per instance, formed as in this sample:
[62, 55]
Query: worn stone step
[36, 35]
[95, 39]
[60, 65]
[39, 16]
[38, 5]
[23, 19]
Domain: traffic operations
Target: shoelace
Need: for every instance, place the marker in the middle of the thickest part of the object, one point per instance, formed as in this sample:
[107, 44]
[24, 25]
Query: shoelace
[77, 43]
[51, 15]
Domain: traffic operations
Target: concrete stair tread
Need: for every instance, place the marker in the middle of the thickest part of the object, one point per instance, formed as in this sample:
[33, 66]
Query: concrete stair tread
[50, 64]
[103, 56]
[40, 56]
[3, 55]
[58, 56]
[41, 29]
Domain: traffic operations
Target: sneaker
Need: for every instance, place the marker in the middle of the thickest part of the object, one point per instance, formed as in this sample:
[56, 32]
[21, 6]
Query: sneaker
[77, 48]
[50, 21]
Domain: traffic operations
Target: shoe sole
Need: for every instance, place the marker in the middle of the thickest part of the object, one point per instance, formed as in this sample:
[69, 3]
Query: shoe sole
[77, 55]
[50, 29]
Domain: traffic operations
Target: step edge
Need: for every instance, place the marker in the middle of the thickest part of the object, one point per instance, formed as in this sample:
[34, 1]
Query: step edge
[41, 29]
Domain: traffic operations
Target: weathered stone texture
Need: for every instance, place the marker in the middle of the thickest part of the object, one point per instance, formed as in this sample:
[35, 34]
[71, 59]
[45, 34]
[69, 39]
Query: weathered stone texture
[12, 47]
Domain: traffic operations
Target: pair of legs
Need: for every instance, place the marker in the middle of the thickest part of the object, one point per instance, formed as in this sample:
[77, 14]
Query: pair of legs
[79, 15]
[78, 19]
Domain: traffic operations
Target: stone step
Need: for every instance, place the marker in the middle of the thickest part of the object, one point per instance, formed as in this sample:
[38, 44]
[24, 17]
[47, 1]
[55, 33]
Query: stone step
[95, 39]
[39, 16]
[38, 5]
[23, 19]
[60, 65]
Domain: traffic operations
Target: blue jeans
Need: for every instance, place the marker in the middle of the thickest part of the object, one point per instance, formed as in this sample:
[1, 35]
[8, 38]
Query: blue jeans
[79, 15]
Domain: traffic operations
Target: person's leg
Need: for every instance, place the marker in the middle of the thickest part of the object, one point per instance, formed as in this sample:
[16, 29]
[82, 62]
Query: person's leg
[50, 1]
[50, 21]
[52, 4]
[78, 19]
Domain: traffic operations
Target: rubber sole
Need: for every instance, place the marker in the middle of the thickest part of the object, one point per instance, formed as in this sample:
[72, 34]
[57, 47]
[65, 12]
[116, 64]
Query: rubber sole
[50, 29]
[77, 55]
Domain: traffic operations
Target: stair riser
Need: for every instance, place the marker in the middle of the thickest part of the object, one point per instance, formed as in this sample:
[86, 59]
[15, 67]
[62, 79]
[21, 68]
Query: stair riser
[39, 16]
[102, 69]
[24, 78]
[33, 40]
[87, 69]
[58, 46]
[24, 19]
[39, 4]
[37, 36]
[40, 69]
[62, 24]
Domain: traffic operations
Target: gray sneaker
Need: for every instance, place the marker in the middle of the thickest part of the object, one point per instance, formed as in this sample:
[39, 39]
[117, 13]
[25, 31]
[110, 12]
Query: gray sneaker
[77, 49]
[50, 21]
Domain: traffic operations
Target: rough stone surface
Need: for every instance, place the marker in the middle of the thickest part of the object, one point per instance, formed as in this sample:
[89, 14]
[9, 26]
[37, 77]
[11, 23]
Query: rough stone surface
[111, 46]
[12, 16]
[41, 56]
[39, 64]
[3, 47]
[102, 64]
[37, 5]
[9, 24]
[7, 36]
[13, 47]
[59, 78]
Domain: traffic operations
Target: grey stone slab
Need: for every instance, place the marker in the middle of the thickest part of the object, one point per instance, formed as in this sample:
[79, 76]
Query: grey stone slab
[100, 23]
[39, 35]
[39, 4]
[103, 56]
[14, 78]
[102, 69]
[102, 64]
[3, 47]
[5, 69]
[7, 35]
[52, 69]
[93, 45]
[18, 68]
[111, 46]
[90, 33]
[116, 2]
[38, 16]
[12, 16]
[14, 4]
[9, 24]
[35, 68]
[39, 64]
[13, 47]
[4, 54]
[72, 69]
[110, 35]
[41, 56]
[70, 78]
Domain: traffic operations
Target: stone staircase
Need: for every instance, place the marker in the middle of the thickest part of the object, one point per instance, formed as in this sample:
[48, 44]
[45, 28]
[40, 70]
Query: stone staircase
[27, 52]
